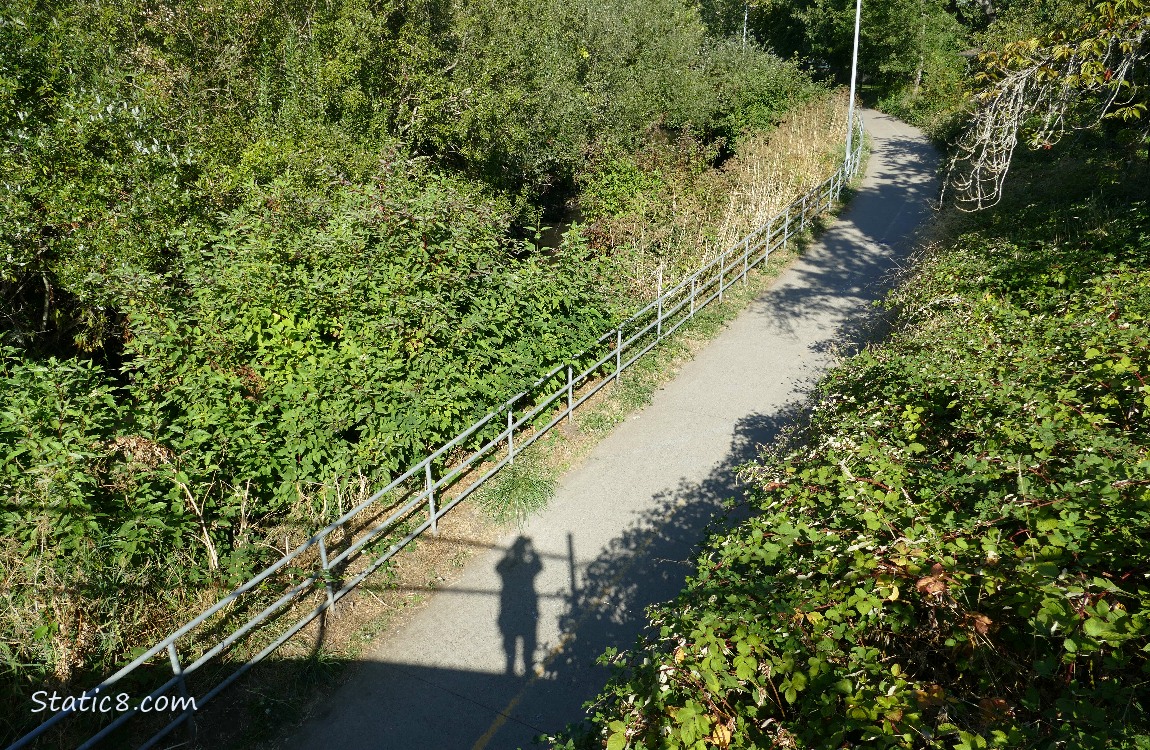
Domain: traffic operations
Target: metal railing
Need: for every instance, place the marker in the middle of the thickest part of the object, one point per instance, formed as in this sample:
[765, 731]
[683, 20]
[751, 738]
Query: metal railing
[422, 500]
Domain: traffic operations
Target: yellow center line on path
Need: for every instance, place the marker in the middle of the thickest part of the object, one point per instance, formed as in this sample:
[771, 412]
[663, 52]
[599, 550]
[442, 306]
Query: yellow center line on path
[505, 714]
[564, 639]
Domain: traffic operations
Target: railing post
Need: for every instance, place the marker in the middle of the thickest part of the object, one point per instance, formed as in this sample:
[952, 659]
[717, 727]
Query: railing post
[692, 296]
[511, 434]
[326, 578]
[178, 671]
[659, 309]
[787, 228]
[722, 273]
[431, 499]
[746, 254]
[570, 394]
[803, 216]
[618, 353]
[767, 243]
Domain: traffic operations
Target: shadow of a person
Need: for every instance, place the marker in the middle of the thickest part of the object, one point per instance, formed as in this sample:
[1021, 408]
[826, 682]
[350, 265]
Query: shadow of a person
[518, 602]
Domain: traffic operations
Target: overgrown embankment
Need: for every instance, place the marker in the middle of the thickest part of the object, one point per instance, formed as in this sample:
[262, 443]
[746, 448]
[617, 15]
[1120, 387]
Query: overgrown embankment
[955, 551]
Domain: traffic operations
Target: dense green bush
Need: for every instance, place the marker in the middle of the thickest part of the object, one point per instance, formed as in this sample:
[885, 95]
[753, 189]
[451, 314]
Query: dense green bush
[293, 349]
[55, 422]
[753, 90]
[955, 551]
[122, 125]
[353, 339]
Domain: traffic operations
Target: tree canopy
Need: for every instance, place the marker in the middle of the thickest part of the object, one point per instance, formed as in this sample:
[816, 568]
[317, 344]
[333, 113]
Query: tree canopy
[1088, 68]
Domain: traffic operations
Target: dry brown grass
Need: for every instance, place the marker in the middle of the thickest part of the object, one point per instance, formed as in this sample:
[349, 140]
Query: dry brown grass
[773, 169]
[702, 213]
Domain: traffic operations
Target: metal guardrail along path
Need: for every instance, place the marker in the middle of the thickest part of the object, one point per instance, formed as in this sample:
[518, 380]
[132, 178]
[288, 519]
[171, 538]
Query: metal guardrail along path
[316, 567]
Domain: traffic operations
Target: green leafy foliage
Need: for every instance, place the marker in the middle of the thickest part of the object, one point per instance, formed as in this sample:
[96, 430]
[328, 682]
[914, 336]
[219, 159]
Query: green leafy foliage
[85, 511]
[357, 341]
[754, 91]
[909, 50]
[123, 125]
[955, 554]
[56, 416]
[90, 181]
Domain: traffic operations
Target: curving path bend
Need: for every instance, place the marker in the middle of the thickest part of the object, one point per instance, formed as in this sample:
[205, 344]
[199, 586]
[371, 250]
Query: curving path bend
[620, 532]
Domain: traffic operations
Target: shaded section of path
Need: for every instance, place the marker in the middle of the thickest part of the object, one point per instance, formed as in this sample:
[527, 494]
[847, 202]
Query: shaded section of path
[620, 533]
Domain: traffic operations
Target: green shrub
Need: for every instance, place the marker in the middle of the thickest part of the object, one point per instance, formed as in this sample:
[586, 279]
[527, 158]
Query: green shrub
[356, 340]
[754, 89]
[86, 512]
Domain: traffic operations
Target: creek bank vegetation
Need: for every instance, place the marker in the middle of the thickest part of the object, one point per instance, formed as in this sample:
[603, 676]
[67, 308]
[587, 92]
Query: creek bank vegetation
[255, 257]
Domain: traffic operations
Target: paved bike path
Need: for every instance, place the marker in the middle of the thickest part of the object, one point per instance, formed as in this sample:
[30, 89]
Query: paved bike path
[620, 531]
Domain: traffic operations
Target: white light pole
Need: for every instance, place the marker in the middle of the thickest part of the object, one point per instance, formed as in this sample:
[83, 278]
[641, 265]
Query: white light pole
[854, 78]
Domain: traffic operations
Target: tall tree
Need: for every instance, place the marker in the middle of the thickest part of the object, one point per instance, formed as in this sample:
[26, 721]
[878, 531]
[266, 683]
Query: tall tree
[907, 46]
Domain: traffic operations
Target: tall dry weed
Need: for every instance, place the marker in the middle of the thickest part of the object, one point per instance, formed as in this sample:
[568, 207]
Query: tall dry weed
[705, 214]
[773, 169]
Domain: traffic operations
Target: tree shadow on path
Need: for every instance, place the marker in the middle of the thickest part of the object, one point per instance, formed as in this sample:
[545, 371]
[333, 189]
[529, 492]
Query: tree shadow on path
[855, 262]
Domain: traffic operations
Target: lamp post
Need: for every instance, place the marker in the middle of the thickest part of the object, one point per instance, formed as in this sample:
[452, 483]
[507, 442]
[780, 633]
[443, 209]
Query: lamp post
[854, 79]
[746, 17]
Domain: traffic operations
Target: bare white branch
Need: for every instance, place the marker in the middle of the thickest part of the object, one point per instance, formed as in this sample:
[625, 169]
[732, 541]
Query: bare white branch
[1033, 97]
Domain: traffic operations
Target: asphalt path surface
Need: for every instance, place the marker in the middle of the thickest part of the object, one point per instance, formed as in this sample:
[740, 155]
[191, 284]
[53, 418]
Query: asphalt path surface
[621, 530]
